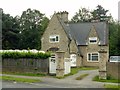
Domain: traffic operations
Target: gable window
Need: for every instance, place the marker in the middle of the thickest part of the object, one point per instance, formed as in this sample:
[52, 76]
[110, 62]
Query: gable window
[93, 56]
[54, 38]
[93, 40]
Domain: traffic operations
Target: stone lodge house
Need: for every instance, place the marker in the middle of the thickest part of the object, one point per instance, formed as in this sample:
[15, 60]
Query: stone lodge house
[81, 42]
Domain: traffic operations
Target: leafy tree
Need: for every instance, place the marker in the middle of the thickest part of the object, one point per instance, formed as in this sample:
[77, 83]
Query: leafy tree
[83, 15]
[10, 32]
[114, 42]
[32, 26]
[100, 14]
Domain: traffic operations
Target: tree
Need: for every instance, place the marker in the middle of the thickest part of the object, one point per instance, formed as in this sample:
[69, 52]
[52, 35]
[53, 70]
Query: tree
[114, 38]
[100, 14]
[10, 32]
[32, 26]
[83, 15]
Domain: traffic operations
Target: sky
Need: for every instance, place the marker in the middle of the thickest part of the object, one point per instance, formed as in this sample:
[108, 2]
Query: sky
[48, 7]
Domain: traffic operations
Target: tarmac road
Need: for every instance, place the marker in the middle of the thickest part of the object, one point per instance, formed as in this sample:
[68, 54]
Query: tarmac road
[50, 82]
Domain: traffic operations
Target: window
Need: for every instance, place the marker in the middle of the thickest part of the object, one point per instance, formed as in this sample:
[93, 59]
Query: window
[93, 56]
[93, 40]
[54, 38]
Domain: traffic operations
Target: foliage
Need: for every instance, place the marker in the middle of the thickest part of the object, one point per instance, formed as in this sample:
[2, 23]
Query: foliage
[25, 31]
[81, 76]
[32, 26]
[112, 87]
[85, 15]
[114, 38]
[16, 55]
[100, 14]
[16, 79]
[109, 79]
[10, 32]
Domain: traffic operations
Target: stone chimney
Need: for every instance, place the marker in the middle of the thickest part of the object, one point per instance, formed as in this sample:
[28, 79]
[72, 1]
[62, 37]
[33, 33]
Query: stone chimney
[63, 15]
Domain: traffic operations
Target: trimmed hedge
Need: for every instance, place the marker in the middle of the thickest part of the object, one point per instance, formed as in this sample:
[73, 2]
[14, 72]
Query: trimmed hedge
[16, 55]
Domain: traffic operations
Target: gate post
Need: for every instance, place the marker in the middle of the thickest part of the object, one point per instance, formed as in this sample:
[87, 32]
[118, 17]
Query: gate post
[102, 64]
[60, 63]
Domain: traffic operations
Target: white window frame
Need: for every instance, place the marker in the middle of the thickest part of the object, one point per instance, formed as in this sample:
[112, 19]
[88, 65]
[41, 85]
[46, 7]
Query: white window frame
[93, 38]
[91, 57]
[54, 36]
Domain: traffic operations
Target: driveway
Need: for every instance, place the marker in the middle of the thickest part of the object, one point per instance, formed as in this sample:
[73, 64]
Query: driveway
[68, 82]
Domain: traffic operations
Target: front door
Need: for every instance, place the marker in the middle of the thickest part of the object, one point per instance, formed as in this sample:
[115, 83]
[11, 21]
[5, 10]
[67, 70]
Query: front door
[52, 64]
[73, 60]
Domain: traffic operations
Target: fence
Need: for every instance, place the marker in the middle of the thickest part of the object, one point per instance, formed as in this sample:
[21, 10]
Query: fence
[25, 65]
[113, 69]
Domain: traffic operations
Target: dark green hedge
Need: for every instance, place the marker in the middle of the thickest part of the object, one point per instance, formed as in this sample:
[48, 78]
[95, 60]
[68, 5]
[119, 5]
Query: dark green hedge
[16, 55]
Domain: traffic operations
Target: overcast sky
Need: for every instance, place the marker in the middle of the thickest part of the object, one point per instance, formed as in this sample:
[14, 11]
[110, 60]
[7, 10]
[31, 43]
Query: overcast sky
[16, 7]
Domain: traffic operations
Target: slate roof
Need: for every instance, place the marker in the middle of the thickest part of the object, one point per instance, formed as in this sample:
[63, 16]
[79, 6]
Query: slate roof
[80, 31]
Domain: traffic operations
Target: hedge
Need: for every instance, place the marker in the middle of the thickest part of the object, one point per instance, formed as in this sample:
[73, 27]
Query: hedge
[16, 55]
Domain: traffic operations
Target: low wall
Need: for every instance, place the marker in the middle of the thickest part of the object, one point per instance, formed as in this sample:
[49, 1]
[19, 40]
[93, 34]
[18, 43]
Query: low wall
[113, 69]
[25, 65]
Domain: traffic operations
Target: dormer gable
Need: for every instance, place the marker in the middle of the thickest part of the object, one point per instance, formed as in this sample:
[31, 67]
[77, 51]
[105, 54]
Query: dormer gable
[93, 37]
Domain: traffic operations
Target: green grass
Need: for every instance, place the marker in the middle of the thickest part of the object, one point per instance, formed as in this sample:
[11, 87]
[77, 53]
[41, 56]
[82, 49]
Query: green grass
[9, 78]
[112, 87]
[75, 71]
[81, 76]
[112, 80]
[25, 74]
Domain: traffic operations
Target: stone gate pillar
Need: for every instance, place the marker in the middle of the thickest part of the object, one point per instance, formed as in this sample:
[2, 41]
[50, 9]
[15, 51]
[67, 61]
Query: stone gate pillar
[60, 63]
[102, 64]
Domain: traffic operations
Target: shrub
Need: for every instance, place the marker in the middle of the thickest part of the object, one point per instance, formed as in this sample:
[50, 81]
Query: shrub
[16, 55]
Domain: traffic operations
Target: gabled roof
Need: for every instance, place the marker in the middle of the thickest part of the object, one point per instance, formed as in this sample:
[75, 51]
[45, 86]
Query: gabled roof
[80, 31]
[65, 27]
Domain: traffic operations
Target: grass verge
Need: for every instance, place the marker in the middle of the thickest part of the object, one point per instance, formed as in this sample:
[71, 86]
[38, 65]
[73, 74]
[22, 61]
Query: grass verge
[9, 78]
[81, 76]
[112, 87]
[112, 80]
[25, 74]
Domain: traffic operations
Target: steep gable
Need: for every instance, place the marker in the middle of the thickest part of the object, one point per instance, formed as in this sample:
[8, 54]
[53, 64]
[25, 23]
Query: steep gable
[92, 34]
[81, 31]
[55, 28]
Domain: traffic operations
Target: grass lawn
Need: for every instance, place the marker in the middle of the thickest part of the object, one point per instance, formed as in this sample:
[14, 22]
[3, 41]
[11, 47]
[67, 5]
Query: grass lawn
[9, 78]
[112, 87]
[96, 78]
[81, 76]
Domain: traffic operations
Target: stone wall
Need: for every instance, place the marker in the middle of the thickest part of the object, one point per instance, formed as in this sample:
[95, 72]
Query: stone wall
[93, 48]
[113, 69]
[25, 65]
[55, 28]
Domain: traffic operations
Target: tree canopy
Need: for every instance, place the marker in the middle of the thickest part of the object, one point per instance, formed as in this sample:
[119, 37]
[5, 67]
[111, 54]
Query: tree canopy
[85, 15]
[25, 31]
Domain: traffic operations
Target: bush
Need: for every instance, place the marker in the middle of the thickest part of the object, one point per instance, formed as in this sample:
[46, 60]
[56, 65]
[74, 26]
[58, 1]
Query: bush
[16, 55]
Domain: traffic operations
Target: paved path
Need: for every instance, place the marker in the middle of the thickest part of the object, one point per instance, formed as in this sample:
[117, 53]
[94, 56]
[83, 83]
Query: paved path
[68, 82]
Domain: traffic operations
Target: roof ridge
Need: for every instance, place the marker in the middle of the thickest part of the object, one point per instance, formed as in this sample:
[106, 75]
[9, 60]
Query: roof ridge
[62, 22]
